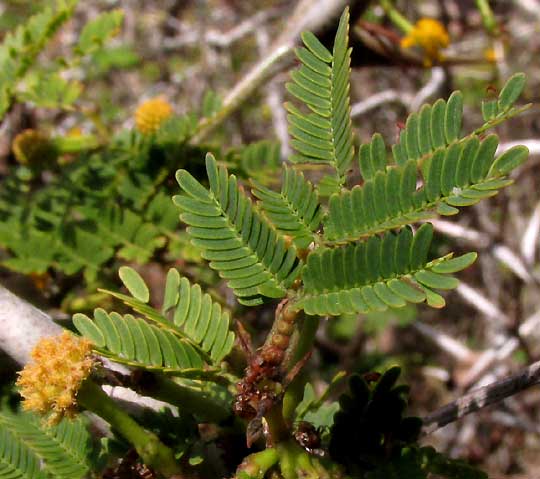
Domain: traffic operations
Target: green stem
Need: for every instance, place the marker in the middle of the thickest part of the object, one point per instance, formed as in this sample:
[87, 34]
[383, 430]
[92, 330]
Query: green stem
[488, 19]
[75, 144]
[306, 337]
[277, 427]
[152, 451]
[295, 391]
[497, 121]
[255, 465]
[288, 458]
[395, 17]
[295, 462]
[206, 407]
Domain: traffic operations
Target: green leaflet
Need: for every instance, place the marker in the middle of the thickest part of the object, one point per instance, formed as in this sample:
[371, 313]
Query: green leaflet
[453, 116]
[322, 83]
[461, 174]
[211, 103]
[134, 283]
[509, 160]
[295, 211]
[237, 240]
[28, 449]
[511, 92]
[372, 157]
[383, 272]
[501, 109]
[33, 253]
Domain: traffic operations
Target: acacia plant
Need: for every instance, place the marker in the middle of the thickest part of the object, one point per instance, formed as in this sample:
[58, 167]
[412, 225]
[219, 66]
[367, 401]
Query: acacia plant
[365, 249]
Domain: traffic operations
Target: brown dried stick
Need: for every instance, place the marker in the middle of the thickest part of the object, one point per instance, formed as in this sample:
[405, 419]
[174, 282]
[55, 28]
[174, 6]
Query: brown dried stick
[482, 397]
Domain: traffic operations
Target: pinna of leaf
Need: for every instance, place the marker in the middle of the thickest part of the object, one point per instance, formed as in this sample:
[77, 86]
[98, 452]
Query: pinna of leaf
[191, 344]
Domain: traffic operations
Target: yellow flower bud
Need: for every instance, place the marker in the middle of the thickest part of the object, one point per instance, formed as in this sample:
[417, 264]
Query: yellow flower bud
[430, 35]
[151, 114]
[34, 149]
[50, 382]
[490, 55]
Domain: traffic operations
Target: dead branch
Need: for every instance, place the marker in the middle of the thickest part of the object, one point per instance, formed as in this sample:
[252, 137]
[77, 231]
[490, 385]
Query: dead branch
[482, 397]
[21, 326]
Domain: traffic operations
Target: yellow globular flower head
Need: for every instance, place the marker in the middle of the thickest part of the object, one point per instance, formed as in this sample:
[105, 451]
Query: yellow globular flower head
[151, 114]
[50, 382]
[430, 35]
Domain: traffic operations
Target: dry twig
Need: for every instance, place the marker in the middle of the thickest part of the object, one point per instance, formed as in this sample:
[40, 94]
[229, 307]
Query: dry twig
[308, 15]
[482, 397]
